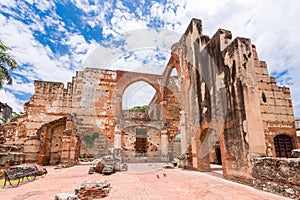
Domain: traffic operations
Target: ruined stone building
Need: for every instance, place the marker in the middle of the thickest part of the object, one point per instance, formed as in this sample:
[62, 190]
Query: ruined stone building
[5, 113]
[221, 101]
[298, 129]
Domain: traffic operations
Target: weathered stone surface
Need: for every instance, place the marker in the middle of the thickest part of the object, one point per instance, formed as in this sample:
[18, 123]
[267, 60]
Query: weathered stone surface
[93, 189]
[66, 196]
[5, 113]
[212, 91]
[277, 175]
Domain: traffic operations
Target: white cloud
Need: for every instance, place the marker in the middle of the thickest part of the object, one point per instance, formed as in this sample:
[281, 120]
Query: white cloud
[11, 100]
[8, 3]
[271, 25]
[137, 94]
[144, 45]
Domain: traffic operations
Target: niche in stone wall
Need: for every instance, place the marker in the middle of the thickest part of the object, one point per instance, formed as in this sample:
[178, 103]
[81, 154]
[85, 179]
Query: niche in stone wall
[56, 144]
[95, 144]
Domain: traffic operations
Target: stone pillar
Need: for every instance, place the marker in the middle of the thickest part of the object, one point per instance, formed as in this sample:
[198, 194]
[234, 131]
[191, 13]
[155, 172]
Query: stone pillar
[202, 163]
[117, 137]
[164, 143]
[65, 149]
[184, 145]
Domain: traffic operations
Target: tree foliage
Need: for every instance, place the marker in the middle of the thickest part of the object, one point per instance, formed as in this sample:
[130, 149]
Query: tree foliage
[142, 108]
[16, 114]
[7, 63]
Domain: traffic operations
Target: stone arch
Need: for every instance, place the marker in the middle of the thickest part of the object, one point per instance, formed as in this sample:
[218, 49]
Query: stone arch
[283, 145]
[128, 78]
[139, 85]
[51, 135]
[172, 108]
[59, 142]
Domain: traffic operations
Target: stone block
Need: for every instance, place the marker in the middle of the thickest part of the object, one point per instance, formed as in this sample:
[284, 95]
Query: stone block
[93, 189]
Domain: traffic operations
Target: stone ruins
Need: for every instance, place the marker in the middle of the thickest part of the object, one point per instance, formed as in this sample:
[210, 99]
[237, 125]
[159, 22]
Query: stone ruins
[221, 102]
[5, 113]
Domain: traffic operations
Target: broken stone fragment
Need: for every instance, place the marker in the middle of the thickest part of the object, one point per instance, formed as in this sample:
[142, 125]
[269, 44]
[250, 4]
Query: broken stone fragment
[66, 196]
[93, 189]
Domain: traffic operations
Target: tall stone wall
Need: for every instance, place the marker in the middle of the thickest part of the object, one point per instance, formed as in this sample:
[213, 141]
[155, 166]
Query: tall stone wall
[219, 85]
[5, 113]
[222, 93]
[276, 107]
[277, 175]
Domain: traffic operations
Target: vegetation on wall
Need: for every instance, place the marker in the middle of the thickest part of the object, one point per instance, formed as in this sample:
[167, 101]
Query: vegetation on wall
[16, 114]
[90, 138]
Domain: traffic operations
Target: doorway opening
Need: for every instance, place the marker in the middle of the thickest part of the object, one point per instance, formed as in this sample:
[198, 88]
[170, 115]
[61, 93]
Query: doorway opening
[141, 141]
[283, 146]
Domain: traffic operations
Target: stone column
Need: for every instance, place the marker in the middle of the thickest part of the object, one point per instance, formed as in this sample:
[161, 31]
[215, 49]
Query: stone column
[164, 143]
[65, 149]
[117, 137]
[184, 144]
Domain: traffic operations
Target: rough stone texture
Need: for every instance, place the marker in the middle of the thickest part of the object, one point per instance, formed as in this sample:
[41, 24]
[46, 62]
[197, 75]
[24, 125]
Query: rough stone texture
[277, 175]
[221, 92]
[5, 113]
[93, 190]
[298, 129]
[66, 196]
[58, 142]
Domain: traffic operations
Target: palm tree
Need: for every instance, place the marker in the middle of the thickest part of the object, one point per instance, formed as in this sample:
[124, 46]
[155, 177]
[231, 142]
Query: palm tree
[6, 64]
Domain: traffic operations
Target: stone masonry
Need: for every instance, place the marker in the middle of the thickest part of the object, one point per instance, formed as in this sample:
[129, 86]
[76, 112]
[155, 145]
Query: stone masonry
[221, 97]
[277, 175]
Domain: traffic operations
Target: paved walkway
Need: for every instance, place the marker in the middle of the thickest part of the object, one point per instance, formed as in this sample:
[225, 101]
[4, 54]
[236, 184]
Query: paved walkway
[139, 183]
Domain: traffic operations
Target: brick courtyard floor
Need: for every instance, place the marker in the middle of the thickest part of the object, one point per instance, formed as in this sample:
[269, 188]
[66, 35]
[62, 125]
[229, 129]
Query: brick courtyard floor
[140, 182]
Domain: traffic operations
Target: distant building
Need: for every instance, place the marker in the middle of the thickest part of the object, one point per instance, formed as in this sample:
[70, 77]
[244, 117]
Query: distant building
[297, 121]
[5, 113]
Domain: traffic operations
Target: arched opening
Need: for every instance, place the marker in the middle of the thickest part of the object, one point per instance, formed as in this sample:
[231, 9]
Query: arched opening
[137, 94]
[283, 146]
[174, 118]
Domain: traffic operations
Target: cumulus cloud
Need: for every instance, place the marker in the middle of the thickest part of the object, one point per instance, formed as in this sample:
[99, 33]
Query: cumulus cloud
[271, 25]
[11, 100]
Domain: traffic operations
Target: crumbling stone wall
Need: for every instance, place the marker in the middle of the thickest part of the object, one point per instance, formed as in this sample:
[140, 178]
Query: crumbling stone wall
[217, 96]
[277, 175]
[153, 139]
[276, 107]
[5, 113]
[218, 77]
[58, 142]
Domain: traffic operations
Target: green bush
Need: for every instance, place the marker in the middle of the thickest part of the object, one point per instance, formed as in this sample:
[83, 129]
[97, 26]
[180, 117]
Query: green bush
[141, 108]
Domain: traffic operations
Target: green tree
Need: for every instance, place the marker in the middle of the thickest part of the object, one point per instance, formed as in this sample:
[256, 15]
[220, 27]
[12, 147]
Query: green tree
[141, 108]
[16, 114]
[7, 63]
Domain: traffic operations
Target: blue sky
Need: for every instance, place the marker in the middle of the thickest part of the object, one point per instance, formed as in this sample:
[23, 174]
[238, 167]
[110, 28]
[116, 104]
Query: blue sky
[51, 40]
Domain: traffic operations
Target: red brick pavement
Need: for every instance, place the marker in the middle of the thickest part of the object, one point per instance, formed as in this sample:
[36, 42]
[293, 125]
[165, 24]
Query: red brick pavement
[139, 183]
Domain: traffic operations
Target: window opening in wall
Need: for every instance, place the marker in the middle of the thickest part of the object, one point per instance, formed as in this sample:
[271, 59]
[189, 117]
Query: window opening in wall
[264, 98]
[137, 94]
